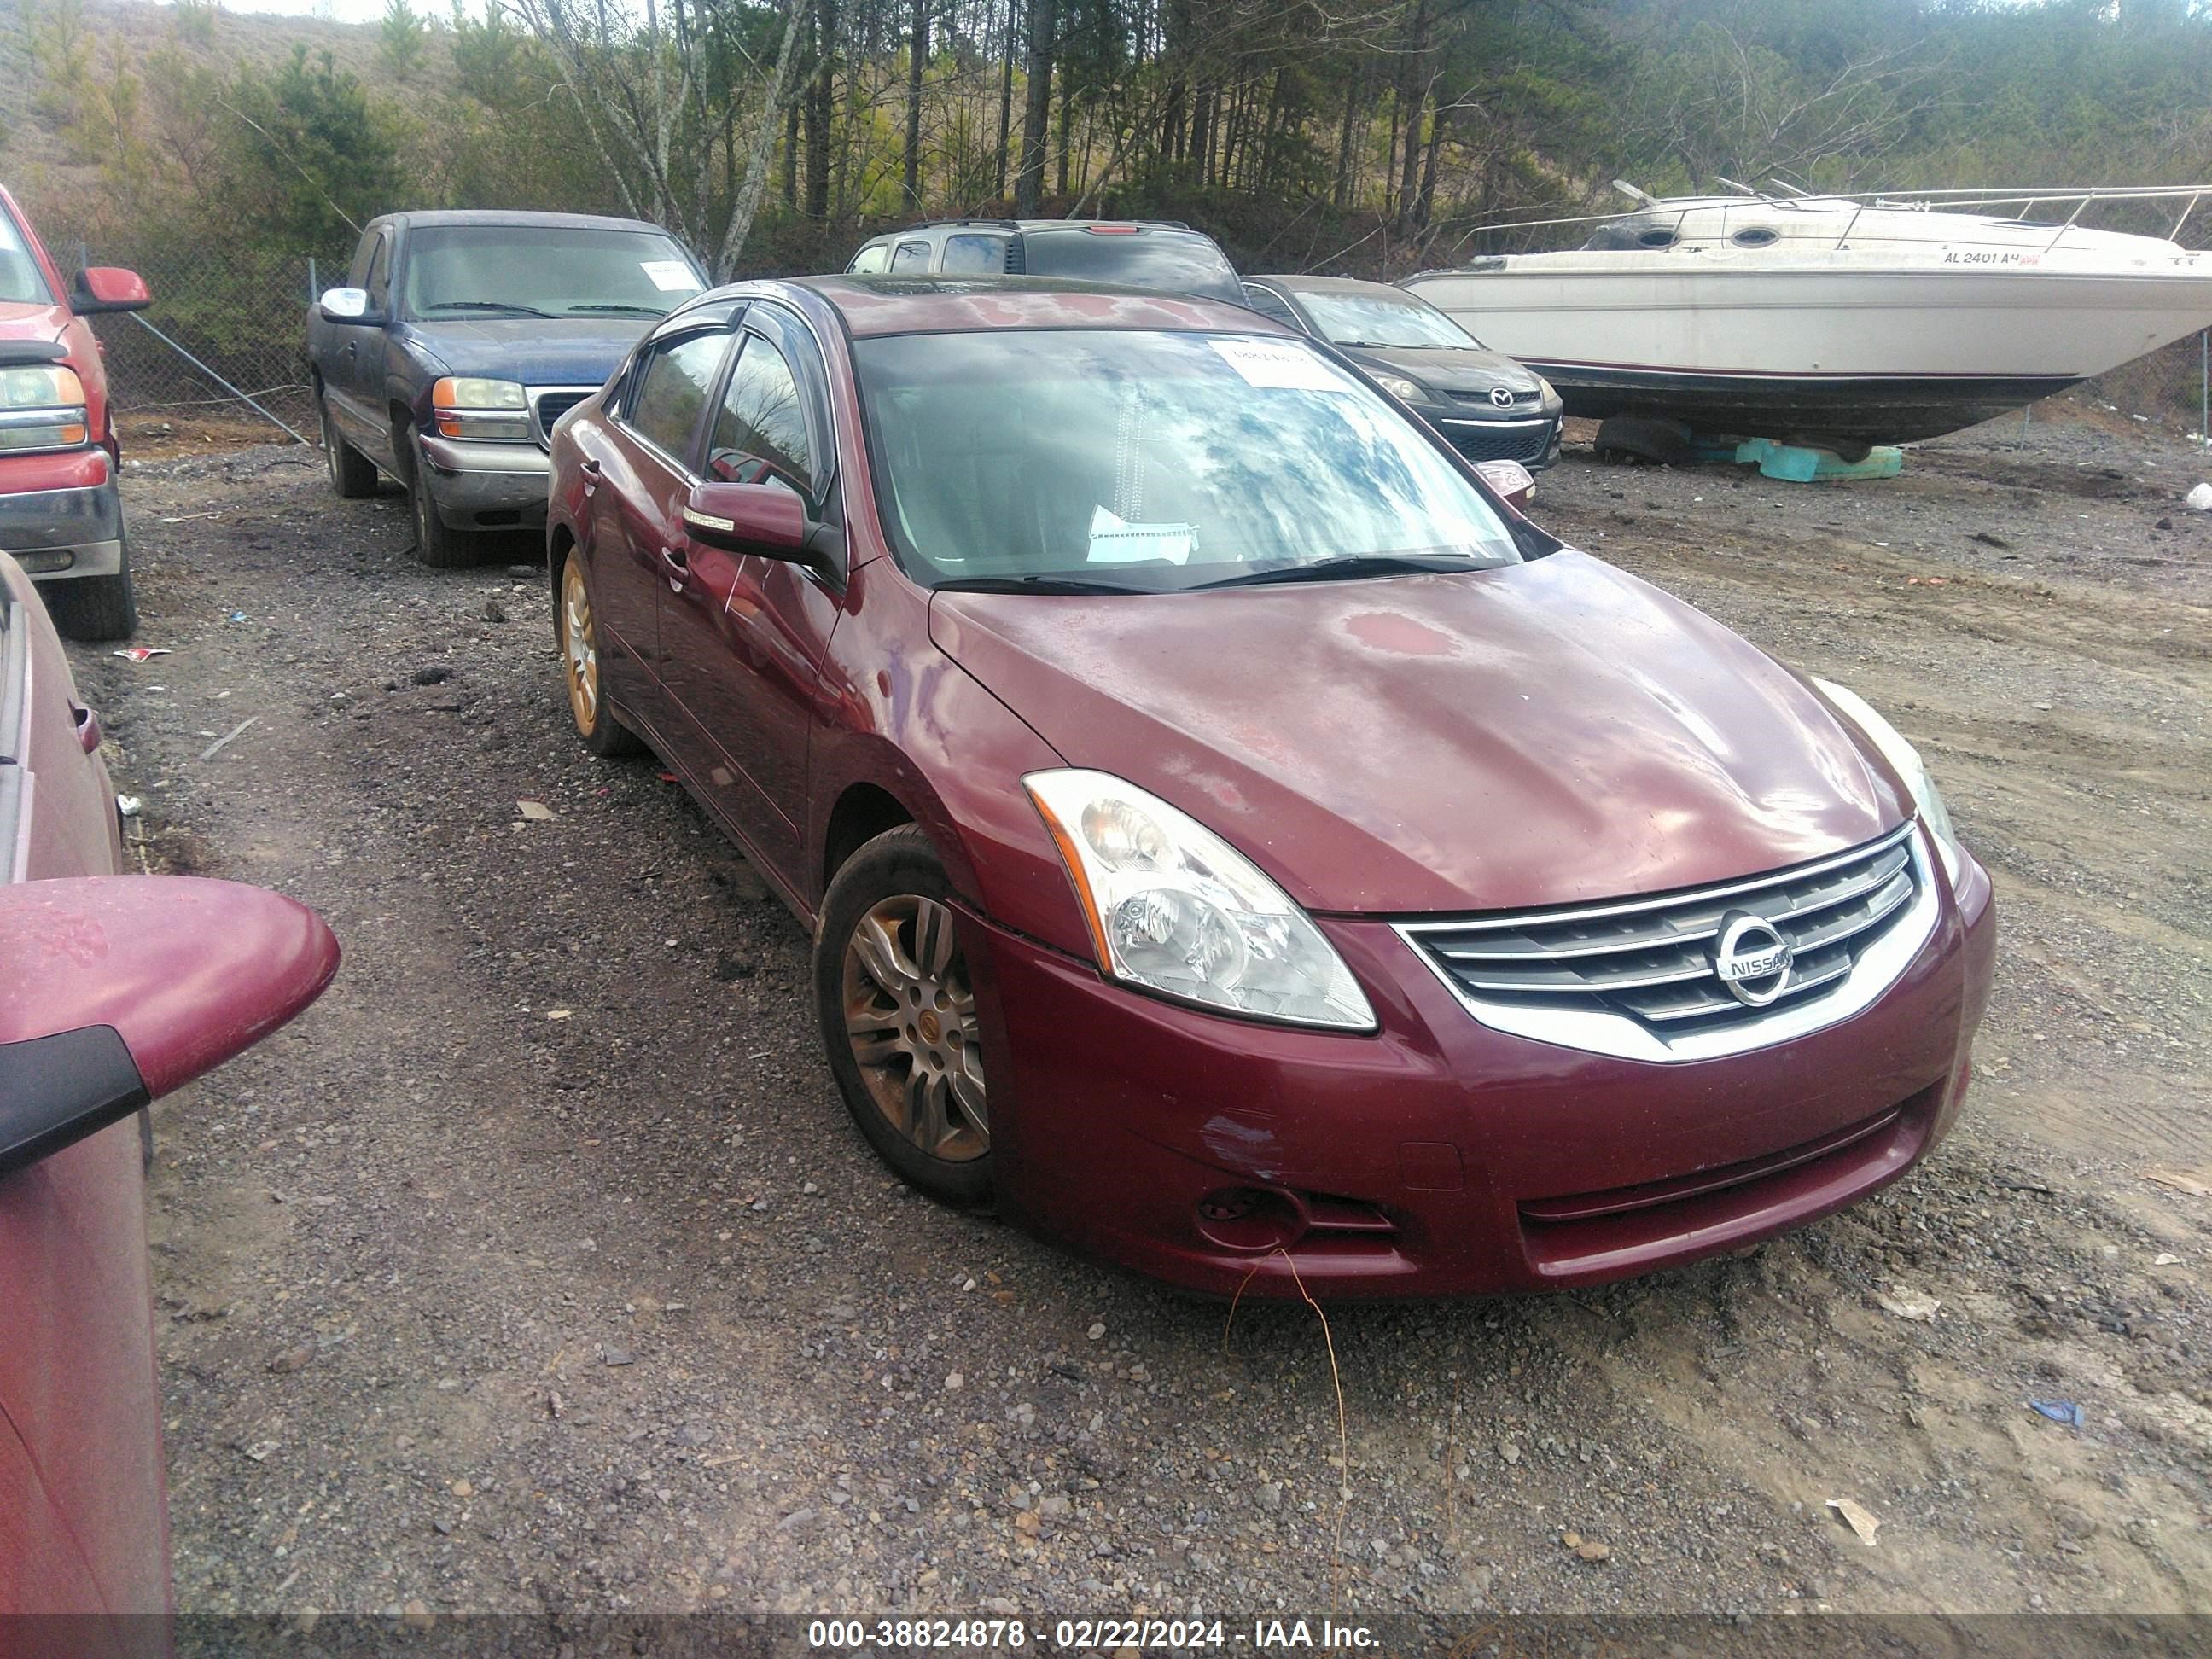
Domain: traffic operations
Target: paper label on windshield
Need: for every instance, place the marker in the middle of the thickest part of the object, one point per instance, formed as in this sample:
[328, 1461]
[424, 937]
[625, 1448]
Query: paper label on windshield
[670, 275]
[1280, 363]
[1114, 540]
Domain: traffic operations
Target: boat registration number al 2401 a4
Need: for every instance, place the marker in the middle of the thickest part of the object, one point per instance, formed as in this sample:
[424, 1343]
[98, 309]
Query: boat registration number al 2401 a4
[1967, 256]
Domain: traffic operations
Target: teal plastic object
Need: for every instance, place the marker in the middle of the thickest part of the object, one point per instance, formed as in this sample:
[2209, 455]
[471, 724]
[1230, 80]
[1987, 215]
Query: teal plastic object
[1796, 464]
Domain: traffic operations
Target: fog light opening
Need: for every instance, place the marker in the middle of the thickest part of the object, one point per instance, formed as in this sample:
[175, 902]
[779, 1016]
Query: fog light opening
[1250, 1218]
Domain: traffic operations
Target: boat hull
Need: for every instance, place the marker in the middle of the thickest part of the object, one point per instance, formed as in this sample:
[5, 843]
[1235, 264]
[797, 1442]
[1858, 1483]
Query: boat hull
[1865, 353]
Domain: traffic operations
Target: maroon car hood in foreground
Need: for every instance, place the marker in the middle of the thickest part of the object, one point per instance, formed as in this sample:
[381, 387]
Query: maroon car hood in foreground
[1542, 734]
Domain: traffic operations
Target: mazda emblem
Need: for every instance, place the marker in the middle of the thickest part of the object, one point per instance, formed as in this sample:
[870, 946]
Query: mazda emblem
[1751, 958]
[1502, 396]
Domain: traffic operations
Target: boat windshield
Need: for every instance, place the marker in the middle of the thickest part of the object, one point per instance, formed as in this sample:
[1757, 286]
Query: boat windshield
[1381, 320]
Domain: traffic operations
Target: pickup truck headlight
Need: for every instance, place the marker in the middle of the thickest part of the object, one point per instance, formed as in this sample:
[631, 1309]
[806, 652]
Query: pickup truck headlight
[481, 411]
[1910, 767]
[1174, 909]
[42, 407]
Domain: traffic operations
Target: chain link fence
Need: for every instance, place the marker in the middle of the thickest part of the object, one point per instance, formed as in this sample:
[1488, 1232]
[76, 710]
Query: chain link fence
[227, 330]
[242, 313]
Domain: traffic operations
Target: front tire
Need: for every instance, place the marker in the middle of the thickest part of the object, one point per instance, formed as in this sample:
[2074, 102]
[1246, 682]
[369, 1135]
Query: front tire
[353, 474]
[436, 544]
[898, 1016]
[95, 608]
[577, 636]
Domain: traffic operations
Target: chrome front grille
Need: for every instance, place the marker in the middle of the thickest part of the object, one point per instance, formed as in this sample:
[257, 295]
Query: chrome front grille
[1643, 978]
[549, 405]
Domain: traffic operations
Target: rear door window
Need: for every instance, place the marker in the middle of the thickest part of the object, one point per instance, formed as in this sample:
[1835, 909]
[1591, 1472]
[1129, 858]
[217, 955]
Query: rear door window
[671, 391]
[911, 256]
[975, 256]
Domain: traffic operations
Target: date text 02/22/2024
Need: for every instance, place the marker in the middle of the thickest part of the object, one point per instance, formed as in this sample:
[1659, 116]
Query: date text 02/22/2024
[1090, 1635]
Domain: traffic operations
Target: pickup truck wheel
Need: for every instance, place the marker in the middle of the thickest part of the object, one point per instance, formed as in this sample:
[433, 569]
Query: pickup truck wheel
[578, 639]
[94, 607]
[353, 474]
[435, 543]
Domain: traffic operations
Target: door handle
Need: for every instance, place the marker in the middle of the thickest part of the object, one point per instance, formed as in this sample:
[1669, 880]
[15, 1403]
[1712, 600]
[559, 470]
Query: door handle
[349, 348]
[87, 727]
[589, 471]
[676, 563]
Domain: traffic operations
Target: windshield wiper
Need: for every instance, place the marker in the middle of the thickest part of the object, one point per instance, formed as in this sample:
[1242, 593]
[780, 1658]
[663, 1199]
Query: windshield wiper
[487, 305]
[1352, 567]
[610, 305]
[1034, 585]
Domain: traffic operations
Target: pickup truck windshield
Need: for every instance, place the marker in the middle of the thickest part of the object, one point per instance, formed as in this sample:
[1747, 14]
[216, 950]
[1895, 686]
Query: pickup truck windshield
[1053, 460]
[20, 282]
[529, 270]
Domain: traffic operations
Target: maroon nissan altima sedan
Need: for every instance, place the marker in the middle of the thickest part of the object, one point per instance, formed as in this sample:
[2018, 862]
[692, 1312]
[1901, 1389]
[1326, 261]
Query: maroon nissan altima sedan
[1234, 842]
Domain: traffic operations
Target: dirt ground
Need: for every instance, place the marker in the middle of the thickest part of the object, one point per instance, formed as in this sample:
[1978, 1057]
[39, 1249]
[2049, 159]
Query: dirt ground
[538, 1268]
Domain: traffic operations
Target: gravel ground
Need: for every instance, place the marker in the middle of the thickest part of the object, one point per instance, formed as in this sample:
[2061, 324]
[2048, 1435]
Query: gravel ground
[538, 1269]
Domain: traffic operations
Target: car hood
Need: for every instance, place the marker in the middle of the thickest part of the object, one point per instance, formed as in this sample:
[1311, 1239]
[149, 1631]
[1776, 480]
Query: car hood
[1445, 369]
[24, 320]
[535, 350]
[1546, 733]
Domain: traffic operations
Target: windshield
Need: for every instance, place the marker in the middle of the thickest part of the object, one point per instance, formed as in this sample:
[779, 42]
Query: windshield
[19, 281]
[1170, 261]
[531, 271]
[1152, 462]
[1376, 319]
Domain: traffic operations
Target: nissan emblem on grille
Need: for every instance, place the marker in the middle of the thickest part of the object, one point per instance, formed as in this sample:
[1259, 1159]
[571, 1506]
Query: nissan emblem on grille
[1751, 958]
[1502, 396]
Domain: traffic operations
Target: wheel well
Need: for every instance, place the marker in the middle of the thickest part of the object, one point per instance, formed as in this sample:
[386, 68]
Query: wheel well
[402, 452]
[556, 551]
[862, 813]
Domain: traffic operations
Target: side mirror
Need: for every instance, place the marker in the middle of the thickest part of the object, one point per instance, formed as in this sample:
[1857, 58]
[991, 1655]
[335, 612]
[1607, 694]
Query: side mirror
[115, 990]
[765, 519]
[1510, 480]
[102, 288]
[347, 305]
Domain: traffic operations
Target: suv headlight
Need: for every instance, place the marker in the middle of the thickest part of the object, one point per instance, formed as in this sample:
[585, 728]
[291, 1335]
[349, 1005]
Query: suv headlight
[1910, 767]
[42, 407]
[1411, 391]
[481, 411]
[1174, 908]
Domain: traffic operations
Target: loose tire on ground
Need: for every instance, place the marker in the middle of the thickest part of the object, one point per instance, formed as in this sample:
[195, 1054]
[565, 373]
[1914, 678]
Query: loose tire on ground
[898, 1017]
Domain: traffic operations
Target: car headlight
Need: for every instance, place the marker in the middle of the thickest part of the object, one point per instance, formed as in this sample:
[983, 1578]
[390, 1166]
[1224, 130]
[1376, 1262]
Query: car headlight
[42, 407]
[1910, 767]
[1176, 909]
[1550, 392]
[1397, 386]
[486, 411]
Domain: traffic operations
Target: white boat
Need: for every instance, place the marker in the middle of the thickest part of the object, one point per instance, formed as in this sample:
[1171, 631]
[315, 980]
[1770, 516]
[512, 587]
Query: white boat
[1859, 319]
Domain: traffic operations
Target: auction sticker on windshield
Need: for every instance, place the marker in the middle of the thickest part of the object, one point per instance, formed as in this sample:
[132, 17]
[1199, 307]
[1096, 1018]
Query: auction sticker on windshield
[1280, 364]
[670, 275]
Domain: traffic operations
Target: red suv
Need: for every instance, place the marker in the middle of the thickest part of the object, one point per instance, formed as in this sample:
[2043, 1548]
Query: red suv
[59, 512]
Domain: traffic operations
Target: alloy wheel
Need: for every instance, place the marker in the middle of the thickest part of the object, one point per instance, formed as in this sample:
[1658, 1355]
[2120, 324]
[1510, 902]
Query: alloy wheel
[911, 1016]
[580, 649]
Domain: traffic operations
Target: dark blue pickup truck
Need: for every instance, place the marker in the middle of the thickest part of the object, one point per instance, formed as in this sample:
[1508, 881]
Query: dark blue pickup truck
[458, 340]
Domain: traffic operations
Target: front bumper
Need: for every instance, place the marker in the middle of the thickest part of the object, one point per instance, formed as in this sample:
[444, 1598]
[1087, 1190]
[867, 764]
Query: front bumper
[73, 530]
[1533, 440]
[1437, 1157]
[480, 486]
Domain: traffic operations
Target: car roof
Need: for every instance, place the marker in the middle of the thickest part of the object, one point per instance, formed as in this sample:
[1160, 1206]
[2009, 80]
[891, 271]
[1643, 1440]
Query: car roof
[1335, 285]
[942, 305]
[427, 217]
